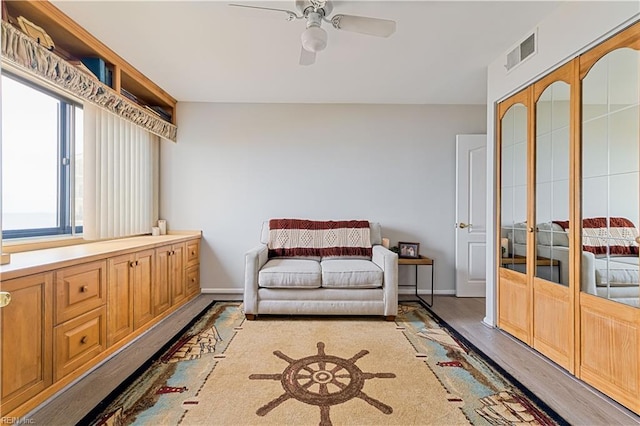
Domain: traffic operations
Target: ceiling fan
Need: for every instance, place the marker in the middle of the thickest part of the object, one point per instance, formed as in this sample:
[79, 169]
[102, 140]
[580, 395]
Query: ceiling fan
[314, 38]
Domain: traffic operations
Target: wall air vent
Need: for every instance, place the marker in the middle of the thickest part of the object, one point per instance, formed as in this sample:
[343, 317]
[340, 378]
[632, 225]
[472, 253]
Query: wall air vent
[522, 51]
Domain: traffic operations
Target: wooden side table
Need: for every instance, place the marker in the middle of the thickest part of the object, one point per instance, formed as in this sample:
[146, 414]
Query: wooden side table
[421, 260]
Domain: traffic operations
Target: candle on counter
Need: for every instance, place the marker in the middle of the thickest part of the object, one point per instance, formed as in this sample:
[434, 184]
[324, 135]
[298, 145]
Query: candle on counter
[162, 224]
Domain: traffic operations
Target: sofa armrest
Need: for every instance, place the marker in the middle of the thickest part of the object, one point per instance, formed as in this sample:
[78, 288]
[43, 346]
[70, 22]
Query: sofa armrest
[254, 259]
[388, 262]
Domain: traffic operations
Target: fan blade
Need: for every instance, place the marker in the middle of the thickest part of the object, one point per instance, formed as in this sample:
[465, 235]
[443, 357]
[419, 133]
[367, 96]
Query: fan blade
[291, 15]
[306, 57]
[363, 25]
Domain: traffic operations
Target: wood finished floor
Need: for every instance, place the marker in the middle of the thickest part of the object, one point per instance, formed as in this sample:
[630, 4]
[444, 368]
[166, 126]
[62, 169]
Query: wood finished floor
[576, 402]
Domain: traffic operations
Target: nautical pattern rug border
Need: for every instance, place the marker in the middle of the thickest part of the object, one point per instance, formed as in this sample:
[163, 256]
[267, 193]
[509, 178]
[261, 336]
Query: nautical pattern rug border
[169, 385]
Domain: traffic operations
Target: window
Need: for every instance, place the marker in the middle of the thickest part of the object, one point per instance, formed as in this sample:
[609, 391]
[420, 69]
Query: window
[41, 161]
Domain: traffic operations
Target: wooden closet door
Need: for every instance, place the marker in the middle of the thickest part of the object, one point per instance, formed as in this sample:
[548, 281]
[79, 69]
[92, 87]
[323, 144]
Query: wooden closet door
[514, 289]
[609, 297]
[553, 296]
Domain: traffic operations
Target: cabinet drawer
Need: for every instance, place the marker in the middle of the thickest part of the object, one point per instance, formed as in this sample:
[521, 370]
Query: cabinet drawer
[79, 289]
[193, 252]
[193, 280]
[78, 341]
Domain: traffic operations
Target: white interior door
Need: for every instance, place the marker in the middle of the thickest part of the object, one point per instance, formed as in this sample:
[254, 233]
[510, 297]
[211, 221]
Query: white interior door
[471, 215]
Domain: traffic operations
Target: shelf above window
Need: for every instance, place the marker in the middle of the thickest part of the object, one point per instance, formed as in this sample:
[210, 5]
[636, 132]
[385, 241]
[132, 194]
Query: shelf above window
[72, 42]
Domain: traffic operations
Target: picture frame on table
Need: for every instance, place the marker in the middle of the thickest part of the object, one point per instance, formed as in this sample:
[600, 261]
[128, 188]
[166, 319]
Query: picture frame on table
[409, 250]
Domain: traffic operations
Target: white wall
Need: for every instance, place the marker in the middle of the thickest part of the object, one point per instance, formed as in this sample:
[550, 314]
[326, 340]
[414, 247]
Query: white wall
[237, 165]
[570, 30]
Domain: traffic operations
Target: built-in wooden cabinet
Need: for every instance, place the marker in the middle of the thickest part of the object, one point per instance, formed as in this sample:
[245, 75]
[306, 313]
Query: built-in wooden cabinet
[142, 284]
[569, 212]
[80, 316]
[79, 289]
[130, 293]
[193, 267]
[70, 313]
[171, 275]
[78, 341]
[26, 324]
[120, 312]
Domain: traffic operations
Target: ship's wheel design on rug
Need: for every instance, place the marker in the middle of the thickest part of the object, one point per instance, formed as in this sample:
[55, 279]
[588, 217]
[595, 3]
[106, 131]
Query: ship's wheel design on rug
[322, 380]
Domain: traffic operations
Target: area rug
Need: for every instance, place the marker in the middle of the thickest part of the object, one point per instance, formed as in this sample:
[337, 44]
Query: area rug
[281, 370]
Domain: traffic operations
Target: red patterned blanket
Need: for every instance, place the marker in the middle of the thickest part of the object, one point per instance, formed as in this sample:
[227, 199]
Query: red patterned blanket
[300, 237]
[618, 237]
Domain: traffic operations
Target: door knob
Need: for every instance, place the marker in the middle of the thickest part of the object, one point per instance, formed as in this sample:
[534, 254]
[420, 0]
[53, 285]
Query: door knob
[5, 298]
[463, 225]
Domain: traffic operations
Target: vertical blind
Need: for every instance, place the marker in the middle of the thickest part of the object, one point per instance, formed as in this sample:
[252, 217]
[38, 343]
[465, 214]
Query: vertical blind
[120, 176]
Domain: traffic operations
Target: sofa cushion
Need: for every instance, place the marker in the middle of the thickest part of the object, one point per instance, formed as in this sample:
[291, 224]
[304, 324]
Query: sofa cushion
[290, 273]
[350, 273]
[616, 274]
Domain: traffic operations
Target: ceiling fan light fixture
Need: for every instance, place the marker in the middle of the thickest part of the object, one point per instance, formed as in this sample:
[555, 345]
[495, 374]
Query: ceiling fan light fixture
[314, 39]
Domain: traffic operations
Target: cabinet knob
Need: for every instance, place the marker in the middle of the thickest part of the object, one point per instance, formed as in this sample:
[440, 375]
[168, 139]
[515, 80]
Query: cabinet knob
[83, 340]
[5, 298]
[193, 253]
[132, 264]
[84, 289]
[193, 280]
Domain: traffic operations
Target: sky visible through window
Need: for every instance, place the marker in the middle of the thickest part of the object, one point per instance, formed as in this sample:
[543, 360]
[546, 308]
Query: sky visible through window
[29, 157]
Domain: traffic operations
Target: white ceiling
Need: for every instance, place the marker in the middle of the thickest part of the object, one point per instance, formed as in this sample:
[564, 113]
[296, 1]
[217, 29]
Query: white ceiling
[210, 52]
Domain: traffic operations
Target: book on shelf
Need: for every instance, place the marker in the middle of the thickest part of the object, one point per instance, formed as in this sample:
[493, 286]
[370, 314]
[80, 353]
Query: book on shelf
[129, 95]
[152, 111]
[161, 112]
[82, 67]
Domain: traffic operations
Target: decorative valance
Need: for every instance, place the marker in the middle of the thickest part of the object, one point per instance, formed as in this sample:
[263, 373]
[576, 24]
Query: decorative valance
[22, 51]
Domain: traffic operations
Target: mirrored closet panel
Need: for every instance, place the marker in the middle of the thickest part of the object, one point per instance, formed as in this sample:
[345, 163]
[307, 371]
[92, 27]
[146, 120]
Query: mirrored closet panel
[610, 176]
[610, 215]
[552, 183]
[514, 296]
[569, 216]
[553, 330]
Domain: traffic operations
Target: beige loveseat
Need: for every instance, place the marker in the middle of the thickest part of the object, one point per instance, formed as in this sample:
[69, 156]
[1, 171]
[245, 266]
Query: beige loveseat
[321, 268]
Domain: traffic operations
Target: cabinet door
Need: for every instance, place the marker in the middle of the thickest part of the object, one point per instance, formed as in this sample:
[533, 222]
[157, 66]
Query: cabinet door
[193, 253]
[79, 289]
[120, 305]
[193, 280]
[26, 339]
[79, 340]
[142, 288]
[178, 287]
[162, 283]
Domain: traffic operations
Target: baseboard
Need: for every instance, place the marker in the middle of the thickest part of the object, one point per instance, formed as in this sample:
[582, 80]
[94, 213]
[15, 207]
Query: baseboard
[224, 294]
[411, 290]
[228, 293]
